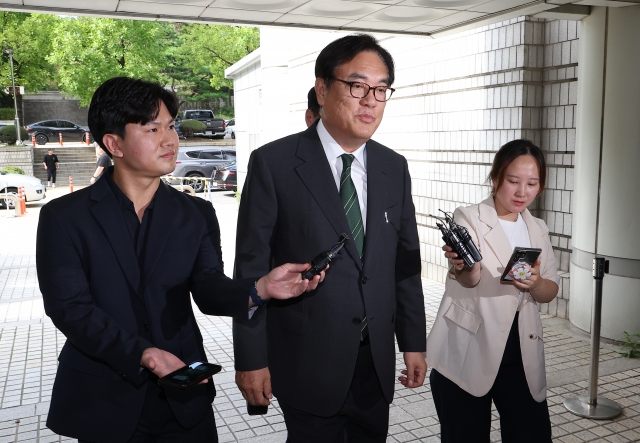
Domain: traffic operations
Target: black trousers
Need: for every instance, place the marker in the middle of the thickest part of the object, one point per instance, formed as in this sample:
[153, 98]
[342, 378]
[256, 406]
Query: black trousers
[51, 174]
[158, 425]
[364, 417]
[467, 419]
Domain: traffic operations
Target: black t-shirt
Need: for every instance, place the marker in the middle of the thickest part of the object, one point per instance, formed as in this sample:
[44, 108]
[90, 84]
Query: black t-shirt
[50, 161]
[103, 161]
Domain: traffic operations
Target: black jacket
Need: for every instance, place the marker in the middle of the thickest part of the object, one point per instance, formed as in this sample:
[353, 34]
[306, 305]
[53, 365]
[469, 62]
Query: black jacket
[290, 211]
[88, 274]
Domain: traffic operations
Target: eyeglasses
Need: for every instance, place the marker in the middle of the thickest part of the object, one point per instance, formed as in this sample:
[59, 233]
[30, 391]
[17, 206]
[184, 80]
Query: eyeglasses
[361, 90]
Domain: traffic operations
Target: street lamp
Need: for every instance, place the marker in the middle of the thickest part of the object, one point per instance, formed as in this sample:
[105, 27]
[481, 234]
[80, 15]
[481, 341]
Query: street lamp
[9, 52]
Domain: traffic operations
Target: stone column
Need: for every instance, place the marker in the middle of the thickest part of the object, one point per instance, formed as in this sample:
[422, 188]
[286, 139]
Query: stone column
[606, 212]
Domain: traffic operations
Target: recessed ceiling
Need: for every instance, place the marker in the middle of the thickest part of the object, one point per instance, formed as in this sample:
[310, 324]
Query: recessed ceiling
[417, 17]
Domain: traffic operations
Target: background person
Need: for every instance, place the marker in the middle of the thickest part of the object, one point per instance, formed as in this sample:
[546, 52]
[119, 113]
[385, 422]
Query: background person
[104, 161]
[330, 355]
[118, 263]
[51, 165]
[313, 108]
[486, 343]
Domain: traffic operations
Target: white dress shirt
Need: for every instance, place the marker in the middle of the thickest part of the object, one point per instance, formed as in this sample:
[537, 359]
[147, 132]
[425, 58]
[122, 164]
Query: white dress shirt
[333, 151]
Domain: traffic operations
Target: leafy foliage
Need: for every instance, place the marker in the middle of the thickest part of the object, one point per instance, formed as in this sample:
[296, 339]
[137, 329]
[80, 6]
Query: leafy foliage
[7, 113]
[29, 36]
[76, 54]
[90, 50]
[631, 348]
[189, 127]
[8, 134]
[13, 170]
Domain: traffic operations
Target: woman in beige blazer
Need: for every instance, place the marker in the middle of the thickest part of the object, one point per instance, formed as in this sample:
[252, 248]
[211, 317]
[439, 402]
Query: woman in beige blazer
[486, 344]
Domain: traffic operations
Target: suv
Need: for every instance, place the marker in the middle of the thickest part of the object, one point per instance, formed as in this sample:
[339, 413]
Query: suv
[199, 161]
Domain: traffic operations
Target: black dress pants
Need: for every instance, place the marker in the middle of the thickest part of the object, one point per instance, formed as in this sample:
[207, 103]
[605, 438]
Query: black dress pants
[364, 417]
[51, 174]
[467, 419]
[158, 424]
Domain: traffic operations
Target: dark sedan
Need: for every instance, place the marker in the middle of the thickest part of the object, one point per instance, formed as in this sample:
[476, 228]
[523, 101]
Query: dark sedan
[225, 177]
[49, 130]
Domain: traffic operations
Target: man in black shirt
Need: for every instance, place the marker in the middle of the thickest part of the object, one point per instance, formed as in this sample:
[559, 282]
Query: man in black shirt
[118, 265]
[51, 165]
[103, 162]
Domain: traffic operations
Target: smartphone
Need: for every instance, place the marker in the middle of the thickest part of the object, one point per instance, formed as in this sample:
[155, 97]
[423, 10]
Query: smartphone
[189, 375]
[520, 257]
[256, 409]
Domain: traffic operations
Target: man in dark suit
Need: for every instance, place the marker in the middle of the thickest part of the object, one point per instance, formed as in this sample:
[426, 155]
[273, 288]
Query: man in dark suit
[116, 263]
[329, 356]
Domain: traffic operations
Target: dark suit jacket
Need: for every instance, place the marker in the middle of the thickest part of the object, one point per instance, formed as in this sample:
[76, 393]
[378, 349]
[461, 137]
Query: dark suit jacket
[88, 273]
[290, 211]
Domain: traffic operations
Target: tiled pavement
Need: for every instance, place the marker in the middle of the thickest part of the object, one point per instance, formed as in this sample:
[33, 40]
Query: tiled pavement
[29, 345]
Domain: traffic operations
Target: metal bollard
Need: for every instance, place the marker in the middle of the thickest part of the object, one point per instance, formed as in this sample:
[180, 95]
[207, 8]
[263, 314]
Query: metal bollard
[60, 135]
[591, 406]
[70, 183]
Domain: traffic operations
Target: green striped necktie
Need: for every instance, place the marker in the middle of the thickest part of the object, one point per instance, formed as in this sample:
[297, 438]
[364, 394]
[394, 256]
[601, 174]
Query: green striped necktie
[351, 206]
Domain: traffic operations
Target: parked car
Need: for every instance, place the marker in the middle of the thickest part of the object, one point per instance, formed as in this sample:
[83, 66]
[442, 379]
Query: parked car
[231, 128]
[225, 177]
[198, 162]
[48, 130]
[33, 188]
[215, 127]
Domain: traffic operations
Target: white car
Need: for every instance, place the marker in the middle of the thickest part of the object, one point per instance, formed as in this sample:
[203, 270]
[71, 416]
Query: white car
[231, 128]
[33, 188]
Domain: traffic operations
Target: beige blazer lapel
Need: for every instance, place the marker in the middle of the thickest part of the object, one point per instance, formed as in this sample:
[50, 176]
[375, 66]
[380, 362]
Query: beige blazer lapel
[495, 236]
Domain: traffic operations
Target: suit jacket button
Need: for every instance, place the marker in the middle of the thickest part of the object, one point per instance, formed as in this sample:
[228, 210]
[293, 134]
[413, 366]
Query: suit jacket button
[146, 327]
[533, 336]
[364, 280]
[356, 321]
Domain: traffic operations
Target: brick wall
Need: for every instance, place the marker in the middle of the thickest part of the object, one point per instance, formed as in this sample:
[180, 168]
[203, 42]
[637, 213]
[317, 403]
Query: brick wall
[20, 157]
[51, 106]
[560, 90]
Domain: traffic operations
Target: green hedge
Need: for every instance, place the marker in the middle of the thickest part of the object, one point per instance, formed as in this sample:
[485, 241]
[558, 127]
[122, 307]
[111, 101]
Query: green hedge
[13, 170]
[8, 135]
[188, 127]
[7, 114]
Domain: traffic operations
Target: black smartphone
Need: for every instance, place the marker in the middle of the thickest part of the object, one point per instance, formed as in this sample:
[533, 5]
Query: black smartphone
[256, 409]
[520, 259]
[189, 375]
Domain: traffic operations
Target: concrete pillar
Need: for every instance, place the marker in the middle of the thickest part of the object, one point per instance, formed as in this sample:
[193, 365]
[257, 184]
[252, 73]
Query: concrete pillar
[606, 212]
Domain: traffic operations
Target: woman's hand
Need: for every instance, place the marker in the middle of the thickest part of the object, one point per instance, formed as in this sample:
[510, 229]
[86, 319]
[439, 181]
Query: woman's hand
[467, 277]
[454, 261]
[532, 282]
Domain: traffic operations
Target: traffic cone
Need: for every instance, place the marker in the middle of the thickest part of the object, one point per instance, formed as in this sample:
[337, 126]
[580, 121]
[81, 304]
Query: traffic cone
[33, 140]
[60, 134]
[23, 202]
[87, 136]
[70, 183]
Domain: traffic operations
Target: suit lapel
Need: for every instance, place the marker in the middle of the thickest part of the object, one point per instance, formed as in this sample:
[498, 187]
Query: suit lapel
[495, 237]
[377, 185]
[108, 214]
[535, 232]
[317, 177]
[160, 229]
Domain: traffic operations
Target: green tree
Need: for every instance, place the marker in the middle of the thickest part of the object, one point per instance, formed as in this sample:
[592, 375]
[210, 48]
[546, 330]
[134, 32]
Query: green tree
[207, 50]
[29, 36]
[87, 51]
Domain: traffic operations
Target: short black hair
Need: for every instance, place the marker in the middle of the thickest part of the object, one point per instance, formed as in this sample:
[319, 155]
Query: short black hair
[507, 154]
[312, 102]
[123, 100]
[345, 49]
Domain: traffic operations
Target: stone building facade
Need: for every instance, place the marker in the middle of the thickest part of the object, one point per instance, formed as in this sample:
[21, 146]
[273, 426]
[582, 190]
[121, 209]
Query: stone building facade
[458, 99]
